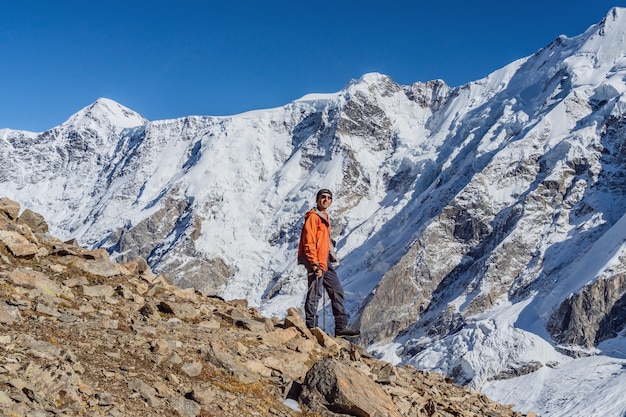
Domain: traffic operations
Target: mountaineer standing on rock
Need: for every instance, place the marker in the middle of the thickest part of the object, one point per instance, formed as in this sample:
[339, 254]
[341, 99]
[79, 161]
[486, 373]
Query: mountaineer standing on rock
[315, 253]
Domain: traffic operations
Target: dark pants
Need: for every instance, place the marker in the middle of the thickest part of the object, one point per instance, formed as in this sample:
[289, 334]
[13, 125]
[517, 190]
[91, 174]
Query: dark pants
[329, 281]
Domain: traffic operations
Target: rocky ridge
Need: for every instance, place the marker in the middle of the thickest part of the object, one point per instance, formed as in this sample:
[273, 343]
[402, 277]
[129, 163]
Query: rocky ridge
[83, 335]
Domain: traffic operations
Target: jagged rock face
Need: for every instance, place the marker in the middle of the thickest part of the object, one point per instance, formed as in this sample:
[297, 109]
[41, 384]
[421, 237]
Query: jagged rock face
[165, 226]
[394, 306]
[594, 314]
[432, 94]
[362, 117]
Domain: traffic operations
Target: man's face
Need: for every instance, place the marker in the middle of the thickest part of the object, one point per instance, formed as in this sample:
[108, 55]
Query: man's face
[324, 201]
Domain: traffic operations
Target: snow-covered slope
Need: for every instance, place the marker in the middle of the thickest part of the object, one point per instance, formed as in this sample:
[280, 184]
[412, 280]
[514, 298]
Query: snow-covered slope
[480, 228]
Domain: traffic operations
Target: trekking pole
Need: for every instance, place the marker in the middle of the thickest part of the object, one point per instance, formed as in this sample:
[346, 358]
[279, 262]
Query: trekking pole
[324, 307]
[320, 280]
[315, 285]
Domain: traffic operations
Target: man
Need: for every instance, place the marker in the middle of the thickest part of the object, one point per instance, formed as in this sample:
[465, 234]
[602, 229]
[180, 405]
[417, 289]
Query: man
[315, 253]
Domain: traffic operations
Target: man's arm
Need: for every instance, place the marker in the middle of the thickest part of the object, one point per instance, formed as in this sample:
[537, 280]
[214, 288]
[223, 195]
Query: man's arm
[309, 236]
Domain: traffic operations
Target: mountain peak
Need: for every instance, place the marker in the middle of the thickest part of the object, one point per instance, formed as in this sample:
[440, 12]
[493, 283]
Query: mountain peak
[373, 78]
[369, 79]
[605, 42]
[118, 116]
[616, 14]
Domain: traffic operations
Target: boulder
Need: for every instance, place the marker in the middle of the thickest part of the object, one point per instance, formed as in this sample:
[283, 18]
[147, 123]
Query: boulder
[34, 221]
[334, 386]
[18, 245]
[9, 208]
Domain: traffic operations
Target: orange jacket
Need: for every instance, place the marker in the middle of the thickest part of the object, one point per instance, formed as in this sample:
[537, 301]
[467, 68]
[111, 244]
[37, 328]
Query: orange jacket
[314, 246]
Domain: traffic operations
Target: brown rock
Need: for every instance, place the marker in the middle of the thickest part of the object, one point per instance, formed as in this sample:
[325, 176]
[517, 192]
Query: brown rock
[325, 340]
[294, 319]
[9, 314]
[219, 355]
[9, 208]
[257, 326]
[202, 396]
[192, 369]
[100, 268]
[104, 290]
[290, 364]
[184, 311]
[339, 388]
[34, 221]
[187, 294]
[94, 254]
[146, 391]
[300, 344]
[279, 337]
[18, 245]
[33, 279]
[185, 407]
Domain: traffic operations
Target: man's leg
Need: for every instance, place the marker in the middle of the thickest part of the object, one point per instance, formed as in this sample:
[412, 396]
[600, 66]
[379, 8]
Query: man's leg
[313, 295]
[335, 293]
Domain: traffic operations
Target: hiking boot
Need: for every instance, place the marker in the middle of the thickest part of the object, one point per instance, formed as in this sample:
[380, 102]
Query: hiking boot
[347, 332]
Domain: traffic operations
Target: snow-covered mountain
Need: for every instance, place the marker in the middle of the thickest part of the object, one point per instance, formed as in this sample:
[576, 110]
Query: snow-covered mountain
[481, 228]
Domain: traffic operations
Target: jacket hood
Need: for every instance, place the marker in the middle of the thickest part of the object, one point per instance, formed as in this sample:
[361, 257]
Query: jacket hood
[316, 211]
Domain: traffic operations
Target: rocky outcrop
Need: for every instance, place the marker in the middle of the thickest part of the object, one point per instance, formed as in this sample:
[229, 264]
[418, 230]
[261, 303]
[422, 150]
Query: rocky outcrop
[594, 314]
[431, 94]
[395, 305]
[323, 390]
[83, 335]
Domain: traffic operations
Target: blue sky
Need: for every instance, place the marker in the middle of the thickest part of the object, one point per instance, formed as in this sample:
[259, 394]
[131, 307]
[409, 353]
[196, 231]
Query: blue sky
[168, 59]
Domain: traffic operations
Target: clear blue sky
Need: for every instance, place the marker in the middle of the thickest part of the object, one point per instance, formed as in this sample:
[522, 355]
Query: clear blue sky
[168, 59]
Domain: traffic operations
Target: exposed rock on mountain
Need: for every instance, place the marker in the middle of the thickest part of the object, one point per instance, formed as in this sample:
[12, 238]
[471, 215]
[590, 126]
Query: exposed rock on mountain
[594, 314]
[83, 335]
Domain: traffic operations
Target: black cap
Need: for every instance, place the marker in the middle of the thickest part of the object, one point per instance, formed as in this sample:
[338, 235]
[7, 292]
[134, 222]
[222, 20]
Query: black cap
[323, 191]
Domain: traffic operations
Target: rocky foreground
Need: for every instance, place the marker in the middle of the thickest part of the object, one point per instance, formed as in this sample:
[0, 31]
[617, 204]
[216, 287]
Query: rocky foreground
[82, 335]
